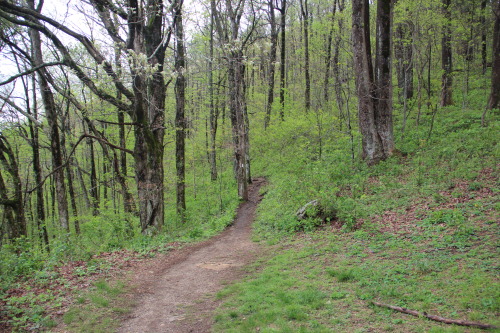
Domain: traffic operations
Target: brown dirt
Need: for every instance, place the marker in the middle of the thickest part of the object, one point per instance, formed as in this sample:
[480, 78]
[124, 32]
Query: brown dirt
[176, 293]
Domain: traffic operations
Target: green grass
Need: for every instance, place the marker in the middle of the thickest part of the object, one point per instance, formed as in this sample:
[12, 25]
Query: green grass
[97, 310]
[419, 231]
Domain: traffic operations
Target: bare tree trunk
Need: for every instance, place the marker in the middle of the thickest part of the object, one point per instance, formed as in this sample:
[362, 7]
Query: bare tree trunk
[212, 153]
[371, 144]
[229, 35]
[51, 115]
[446, 58]
[180, 121]
[374, 95]
[383, 83]
[272, 63]
[148, 113]
[236, 108]
[336, 68]
[37, 171]
[305, 19]
[283, 58]
[483, 36]
[94, 189]
[494, 100]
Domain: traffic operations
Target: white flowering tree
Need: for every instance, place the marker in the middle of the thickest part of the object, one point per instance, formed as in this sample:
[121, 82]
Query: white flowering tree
[139, 32]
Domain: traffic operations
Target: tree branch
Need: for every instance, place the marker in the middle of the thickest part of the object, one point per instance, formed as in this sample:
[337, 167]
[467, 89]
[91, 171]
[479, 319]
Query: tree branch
[436, 318]
[68, 158]
[30, 71]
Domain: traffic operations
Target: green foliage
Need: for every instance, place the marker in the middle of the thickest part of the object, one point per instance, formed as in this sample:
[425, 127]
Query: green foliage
[442, 260]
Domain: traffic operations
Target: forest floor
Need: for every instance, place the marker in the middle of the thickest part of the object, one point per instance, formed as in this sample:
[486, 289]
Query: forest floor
[176, 293]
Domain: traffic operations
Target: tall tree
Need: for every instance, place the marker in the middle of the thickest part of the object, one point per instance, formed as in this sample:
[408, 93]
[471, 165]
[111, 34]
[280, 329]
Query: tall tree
[228, 25]
[180, 118]
[446, 57]
[51, 115]
[383, 83]
[214, 114]
[373, 90]
[272, 61]
[304, 10]
[494, 100]
[282, 58]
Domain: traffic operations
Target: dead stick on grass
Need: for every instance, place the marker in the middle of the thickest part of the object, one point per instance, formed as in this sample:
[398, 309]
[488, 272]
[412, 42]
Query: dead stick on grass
[436, 318]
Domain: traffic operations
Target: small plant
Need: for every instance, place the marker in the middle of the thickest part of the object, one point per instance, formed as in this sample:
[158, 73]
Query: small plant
[445, 216]
[344, 275]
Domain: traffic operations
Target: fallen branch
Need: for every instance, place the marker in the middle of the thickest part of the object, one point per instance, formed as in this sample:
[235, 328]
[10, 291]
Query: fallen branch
[436, 318]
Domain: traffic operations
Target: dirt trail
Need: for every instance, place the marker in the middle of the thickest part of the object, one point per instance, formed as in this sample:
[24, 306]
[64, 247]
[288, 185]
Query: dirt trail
[177, 294]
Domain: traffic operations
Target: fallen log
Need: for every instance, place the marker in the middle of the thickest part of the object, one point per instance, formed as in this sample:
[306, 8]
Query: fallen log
[302, 212]
[436, 318]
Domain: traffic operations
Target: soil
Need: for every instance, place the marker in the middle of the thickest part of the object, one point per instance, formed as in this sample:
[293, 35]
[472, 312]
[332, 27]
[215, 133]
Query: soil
[176, 293]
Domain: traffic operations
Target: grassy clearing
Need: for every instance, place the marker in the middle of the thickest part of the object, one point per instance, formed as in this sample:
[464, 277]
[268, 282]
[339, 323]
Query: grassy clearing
[419, 231]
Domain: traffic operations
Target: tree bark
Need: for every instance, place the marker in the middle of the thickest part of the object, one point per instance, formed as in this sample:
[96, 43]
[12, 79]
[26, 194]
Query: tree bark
[371, 144]
[236, 74]
[180, 119]
[14, 209]
[283, 58]
[336, 67]
[212, 153]
[383, 83]
[37, 171]
[304, 9]
[494, 100]
[483, 36]
[374, 94]
[446, 58]
[272, 63]
[94, 188]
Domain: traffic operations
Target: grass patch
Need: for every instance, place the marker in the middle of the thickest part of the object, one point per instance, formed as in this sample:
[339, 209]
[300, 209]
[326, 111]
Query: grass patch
[97, 310]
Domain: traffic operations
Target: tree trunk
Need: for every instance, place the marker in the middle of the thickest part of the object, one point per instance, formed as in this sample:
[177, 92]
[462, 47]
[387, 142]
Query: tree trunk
[236, 107]
[10, 226]
[374, 95]
[446, 58]
[14, 209]
[363, 67]
[51, 115]
[483, 36]
[212, 153]
[336, 67]
[272, 63]
[305, 19]
[149, 114]
[180, 121]
[383, 83]
[94, 189]
[37, 171]
[328, 58]
[283, 58]
[494, 100]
